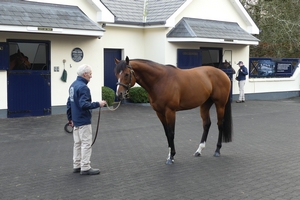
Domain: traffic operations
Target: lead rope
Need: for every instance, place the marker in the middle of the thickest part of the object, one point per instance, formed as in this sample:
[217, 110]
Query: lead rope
[111, 109]
[97, 126]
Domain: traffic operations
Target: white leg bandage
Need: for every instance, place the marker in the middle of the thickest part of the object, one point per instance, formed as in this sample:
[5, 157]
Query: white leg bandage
[201, 146]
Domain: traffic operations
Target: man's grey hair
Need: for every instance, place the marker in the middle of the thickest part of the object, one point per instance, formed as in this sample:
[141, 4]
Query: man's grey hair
[83, 69]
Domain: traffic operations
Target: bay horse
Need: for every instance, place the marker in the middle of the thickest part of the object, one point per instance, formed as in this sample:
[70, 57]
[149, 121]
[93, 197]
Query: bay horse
[19, 61]
[171, 89]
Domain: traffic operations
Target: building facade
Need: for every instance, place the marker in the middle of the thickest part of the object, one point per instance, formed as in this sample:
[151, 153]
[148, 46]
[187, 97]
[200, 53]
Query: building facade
[58, 35]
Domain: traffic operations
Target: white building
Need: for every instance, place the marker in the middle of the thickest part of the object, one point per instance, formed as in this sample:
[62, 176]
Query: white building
[63, 34]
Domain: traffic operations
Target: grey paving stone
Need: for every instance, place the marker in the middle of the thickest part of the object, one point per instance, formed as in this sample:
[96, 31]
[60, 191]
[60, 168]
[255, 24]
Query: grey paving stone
[261, 163]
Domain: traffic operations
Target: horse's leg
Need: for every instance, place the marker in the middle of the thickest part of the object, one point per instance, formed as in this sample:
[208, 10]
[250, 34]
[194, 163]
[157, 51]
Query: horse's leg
[168, 122]
[204, 110]
[220, 115]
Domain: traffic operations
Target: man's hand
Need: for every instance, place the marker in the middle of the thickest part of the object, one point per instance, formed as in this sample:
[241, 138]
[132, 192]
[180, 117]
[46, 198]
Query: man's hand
[71, 123]
[102, 103]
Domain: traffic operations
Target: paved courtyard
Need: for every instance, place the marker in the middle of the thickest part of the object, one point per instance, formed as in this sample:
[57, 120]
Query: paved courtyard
[262, 162]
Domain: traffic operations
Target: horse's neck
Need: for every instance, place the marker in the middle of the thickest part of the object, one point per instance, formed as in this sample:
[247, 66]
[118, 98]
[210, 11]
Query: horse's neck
[147, 75]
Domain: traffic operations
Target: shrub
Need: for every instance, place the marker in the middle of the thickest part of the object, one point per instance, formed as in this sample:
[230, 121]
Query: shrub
[108, 95]
[138, 95]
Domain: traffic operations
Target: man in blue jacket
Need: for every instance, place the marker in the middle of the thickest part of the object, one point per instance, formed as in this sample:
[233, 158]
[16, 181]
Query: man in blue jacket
[79, 113]
[241, 78]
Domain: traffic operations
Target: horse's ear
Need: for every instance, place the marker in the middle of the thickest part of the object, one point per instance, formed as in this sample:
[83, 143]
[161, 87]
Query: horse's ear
[116, 61]
[18, 50]
[127, 60]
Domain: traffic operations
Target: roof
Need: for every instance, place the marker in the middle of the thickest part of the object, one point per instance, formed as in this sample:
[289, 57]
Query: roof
[202, 29]
[19, 14]
[137, 13]
[147, 13]
[36, 17]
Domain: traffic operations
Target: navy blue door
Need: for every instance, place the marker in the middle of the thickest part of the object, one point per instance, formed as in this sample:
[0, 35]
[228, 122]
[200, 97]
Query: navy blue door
[29, 91]
[109, 65]
[4, 59]
[188, 58]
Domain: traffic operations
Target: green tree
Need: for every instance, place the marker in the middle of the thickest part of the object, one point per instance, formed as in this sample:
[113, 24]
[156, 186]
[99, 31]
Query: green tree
[279, 23]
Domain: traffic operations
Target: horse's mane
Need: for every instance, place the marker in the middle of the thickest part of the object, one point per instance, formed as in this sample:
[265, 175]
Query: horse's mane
[152, 63]
[16, 55]
[149, 62]
[122, 64]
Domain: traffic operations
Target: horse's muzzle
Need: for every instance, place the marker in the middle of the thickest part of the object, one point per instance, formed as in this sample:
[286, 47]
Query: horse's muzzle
[120, 96]
[123, 95]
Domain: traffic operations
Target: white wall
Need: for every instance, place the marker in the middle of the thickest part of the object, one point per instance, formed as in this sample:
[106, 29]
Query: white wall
[240, 53]
[264, 85]
[155, 48]
[131, 40]
[3, 89]
[61, 48]
[221, 10]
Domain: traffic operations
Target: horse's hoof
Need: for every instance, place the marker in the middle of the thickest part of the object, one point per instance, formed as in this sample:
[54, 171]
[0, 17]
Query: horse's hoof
[217, 154]
[197, 154]
[169, 162]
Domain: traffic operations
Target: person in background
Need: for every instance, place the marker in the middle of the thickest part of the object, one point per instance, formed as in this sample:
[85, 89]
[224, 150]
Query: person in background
[79, 113]
[241, 78]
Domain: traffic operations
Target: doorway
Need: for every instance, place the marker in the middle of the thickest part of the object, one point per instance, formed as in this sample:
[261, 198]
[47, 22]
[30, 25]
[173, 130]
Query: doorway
[29, 86]
[109, 65]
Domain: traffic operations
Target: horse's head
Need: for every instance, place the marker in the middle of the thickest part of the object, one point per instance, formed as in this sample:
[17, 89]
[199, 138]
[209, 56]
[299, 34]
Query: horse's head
[19, 61]
[226, 64]
[26, 62]
[125, 76]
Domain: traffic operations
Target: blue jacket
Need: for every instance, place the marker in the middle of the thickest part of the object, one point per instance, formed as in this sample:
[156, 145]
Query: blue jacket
[242, 73]
[80, 105]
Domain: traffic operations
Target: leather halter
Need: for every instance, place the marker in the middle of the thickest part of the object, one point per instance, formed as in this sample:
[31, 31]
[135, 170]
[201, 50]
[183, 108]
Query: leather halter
[128, 86]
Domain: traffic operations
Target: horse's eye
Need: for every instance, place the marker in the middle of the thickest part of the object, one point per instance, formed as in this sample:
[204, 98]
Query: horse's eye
[126, 75]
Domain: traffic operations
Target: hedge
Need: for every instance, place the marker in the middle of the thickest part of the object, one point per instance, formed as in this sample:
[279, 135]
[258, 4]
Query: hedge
[108, 95]
[138, 95]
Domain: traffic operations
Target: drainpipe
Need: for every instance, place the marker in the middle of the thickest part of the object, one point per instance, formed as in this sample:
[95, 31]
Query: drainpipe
[145, 11]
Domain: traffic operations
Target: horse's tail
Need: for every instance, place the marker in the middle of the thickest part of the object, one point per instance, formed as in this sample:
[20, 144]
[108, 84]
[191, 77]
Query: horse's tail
[227, 122]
